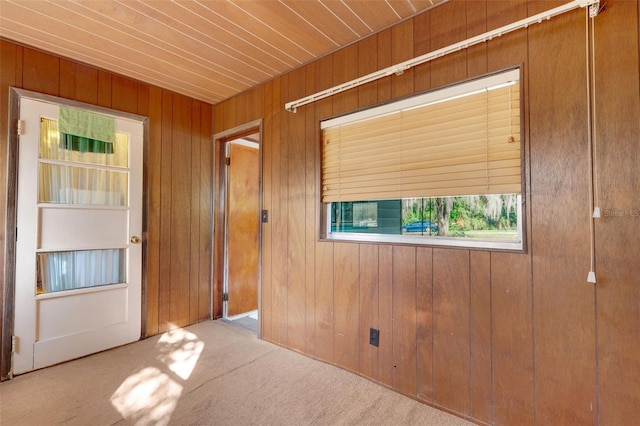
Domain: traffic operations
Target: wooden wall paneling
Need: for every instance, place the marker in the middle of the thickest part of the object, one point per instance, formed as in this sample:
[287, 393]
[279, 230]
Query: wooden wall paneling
[424, 326]
[218, 209]
[180, 210]
[385, 315]
[421, 46]
[512, 335]
[368, 312]
[404, 320]
[67, 86]
[267, 242]
[296, 215]
[480, 335]
[511, 281]
[346, 315]
[194, 199]
[564, 309]
[451, 331]
[41, 72]
[165, 246]
[86, 84]
[124, 94]
[368, 63]
[402, 50]
[345, 68]
[448, 26]
[104, 89]
[324, 250]
[154, 180]
[312, 212]
[143, 109]
[206, 212]
[476, 25]
[384, 61]
[617, 97]
[280, 220]
[324, 301]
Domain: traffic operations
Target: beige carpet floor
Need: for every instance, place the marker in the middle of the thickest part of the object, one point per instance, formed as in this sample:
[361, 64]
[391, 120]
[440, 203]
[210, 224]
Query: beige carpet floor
[207, 374]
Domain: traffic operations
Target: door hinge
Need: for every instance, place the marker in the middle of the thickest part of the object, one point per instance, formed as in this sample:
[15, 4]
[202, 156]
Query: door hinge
[225, 297]
[20, 127]
[14, 344]
[227, 161]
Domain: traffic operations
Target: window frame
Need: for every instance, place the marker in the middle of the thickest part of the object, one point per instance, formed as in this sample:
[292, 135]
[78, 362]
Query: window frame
[457, 89]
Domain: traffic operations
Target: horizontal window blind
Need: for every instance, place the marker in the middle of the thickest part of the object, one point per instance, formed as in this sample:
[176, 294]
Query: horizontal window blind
[468, 145]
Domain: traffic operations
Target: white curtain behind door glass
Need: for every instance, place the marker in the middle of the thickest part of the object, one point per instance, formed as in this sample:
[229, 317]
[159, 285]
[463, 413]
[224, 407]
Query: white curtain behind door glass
[60, 271]
[76, 180]
[80, 178]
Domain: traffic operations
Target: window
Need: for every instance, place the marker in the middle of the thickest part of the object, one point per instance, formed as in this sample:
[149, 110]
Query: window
[442, 168]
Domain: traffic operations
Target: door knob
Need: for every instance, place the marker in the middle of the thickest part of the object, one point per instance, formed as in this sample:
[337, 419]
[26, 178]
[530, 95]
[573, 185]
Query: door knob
[135, 240]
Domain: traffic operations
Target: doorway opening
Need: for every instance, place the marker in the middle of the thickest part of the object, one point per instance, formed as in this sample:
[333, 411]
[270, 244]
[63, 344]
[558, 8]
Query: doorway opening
[237, 227]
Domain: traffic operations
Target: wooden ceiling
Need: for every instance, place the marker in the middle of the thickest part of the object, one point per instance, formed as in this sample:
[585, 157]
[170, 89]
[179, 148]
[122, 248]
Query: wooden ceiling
[206, 49]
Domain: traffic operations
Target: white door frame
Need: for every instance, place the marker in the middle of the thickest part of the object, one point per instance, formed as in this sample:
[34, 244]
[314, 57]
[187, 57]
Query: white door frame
[11, 213]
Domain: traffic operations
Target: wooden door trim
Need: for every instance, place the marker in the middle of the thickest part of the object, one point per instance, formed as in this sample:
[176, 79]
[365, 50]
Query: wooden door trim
[219, 207]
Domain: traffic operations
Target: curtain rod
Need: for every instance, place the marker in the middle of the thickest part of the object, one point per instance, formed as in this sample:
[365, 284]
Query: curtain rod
[399, 69]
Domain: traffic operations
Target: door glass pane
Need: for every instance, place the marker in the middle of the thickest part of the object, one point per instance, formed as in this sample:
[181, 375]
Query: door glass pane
[58, 271]
[53, 146]
[60, 184]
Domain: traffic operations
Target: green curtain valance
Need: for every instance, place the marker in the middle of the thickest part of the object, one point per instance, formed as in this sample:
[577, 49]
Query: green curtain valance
[86, 124]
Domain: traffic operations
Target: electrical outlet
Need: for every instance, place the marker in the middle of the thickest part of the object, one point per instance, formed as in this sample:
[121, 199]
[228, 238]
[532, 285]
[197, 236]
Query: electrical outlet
[374, 337]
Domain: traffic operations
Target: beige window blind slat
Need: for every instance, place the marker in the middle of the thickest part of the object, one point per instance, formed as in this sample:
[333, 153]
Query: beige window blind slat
[469, 145]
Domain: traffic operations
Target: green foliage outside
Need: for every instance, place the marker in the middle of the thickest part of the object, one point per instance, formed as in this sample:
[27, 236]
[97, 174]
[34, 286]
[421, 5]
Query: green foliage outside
[485, 216]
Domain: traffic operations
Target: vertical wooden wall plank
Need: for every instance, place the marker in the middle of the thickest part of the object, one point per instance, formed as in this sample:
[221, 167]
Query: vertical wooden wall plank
[346, 303]
[165, 246]
[402, 50]
[218, 209]
[41, 72]
[104, 89]
[421, 46]
[424, 326]
[618, 183]
[87, 84]
[67, 87]
[385, 312]
[180, 210]
[451, 349]
[194, 263]
[369, 301]
[296, 216]
[476, 24]
[368, 63]
[154, 166]
[324, 302]
[448, 25]
[345, 68]
[512, 357]
[511, 281]
[280, 221]
[384, 61]
[312, 217]
[124, 94]
[267, 204]
[404, 320]
[480, 330]
[206, 212]
[564, 314]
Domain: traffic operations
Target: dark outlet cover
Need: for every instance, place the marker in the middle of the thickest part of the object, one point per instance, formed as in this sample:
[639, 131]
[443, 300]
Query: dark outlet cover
[374, 337]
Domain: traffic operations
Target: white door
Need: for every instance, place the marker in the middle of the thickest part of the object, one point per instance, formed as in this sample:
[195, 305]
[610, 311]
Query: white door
[78, 249]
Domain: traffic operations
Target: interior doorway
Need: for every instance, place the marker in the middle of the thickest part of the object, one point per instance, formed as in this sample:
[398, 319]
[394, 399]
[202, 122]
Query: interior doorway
[238, 221]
